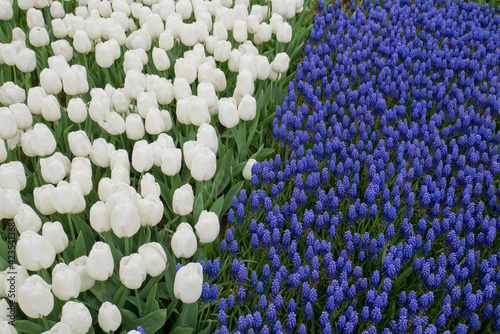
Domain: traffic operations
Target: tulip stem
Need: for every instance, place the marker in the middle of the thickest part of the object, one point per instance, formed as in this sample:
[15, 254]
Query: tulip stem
[138, 302]
[45, 323]
[127, 246]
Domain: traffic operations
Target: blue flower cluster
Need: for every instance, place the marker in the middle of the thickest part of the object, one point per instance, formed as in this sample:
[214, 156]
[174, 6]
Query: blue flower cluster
[380, 214]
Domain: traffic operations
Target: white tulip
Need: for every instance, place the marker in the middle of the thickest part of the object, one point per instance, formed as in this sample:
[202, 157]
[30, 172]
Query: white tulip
[284, 33]
[222, 50]
[75, 80]
[77, 110]
[49, 80]
[109, 317]
[79, 143]
[240, 31]
[183, 200]
[120, 100]
[3, 151]
[262, 66]
[66, 282]
[55, 168]
[99, 217]
[207, 136]
[208, 227]
[101, 152]
[183, 241]
[120, 157]
[132, 271]
[114, 124]
[12, 176]
[142, 156]
[8, 125]
[26, 219]
[43, 199]
[181, 88]
[188, 283]
[59, 328]
[81, 42]
[79, 265]
[11, 93]
[51, 110]
[206, 91]
[134, 127]
[103, 55]
[150, 210]
[160, 59]
[77, 317]
[228, 113]
[35, 298]
[145, 102]
[125, 219]
[67, 198]
[55, 234]
[34, 18]
[81, 174]
[149, 185]
[171, 161]
[166, 40]
[34, 252]
[22, 115]
[247, 171]
[26, 60]
[35, 98]
[280, 63]
[57, 10]
[135, 83]
[58, 29]
[100, 262]
[11, 200]
[39, 37]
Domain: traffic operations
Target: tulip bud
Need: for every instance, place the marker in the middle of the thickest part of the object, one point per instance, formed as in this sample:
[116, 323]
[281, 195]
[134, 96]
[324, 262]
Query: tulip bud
[154, 258]
[132, 271]
[182, 89]
[183, 241]
[66, 282]
[8, 125]
[11, 200]
[120, 157]
[57, 10]
[263, 34]
[5, 326]
[206, 91]
[35, 298]
[142, 156]
[204, 164]
[51, 110]
[77, 317]
[207, 227]
[222, 50]
[247, 108]
[284, 33]
[154, 122]
[22, 115]
[81, 174]
[280, 63]
[11, 93]
[100, 263]
[189, 36]
[43, 199]
[50, 81]
[244, 83]
[247, 171]
[149, 186]
[103, 55]
[135, 83]
[160, 59]
[125, 219]
[207, 136]
[183, 200]
[219, 81]
[150, 210]
[55, 168]
[26, 60]
[26, 219]
[120, 100]
[99, 217]
[253, 23]
[79, 265]
[228, 114]
[262, 66]
[101, 152]
[12, 176]
[164, 91]
[276, 20]
[188, 283]
[55, 234]
[166, 40]
[58, 29]
[34, 252]
[134, 127]
[109, 317]
[26, 4]
[171, 161]
[39, 37]
[35, 98]
[114, 124]
[77, 110]
[81, 42]
[75, 80]
[79, 143]
[67, 198]
[34, 18]
[240, 31]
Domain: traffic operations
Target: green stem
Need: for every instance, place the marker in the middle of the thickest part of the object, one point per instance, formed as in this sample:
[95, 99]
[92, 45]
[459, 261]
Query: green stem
[71, 228]
[45, 323]
[127, 246]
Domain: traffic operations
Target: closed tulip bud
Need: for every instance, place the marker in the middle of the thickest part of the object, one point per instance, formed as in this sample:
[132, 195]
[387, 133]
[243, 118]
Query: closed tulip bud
[159, 146]
[34, 18]
[247, 171]
[284, 33]
[79, 265]
[171, 161]
[39, 37]
[12, 176]
[66, 282]
[132, 271]
[167, 119]
[154, 258]
[100, 105]
[66, 197]
[145, 102]
[276, 20]
[219, 81]
[132, 62]
[8, 125]
[262, 66]
[142, 156]
[207, 136]
[77, 317]
[185, 69]
[182, 89]
[11, 93]
[183, 241]
[57, 10]
[135, 83]
[101, 152]
[77, 110]
[55, 168]
[240, 32]
[125, 219]
[248, 63]
[26, 60]
[222, 50]
[35, 98]
[42, 141]
[263, 34]
[207, 227]
[81, 174]
[81, 42]
[59, 328]
[164, 91]
[183, 200]
[150, 210]
[149, 185]
[34, 252]
[244, 83]
[55, 234]
[59, 62]
[204, 164]
[26, 4]
[99, 217]
[100, 263]
[114, 124]
[134, 127]
[51, 110]
[11, 200]
[154, 122]
[189, 35]
[120, 100]
[5, 326]
[58, 29]
[75, 80]
[188, 283]
[109, 317]
[228, 113]
[160, 59]
[206, 91]
[280, 63]
[22, 115]
[198, 113]
[103, 55]
[166, 40]
[79, 143]
[35, 298]
[50, 82]
[247, 108]
[43, 199]
[26, 219]
[253, 23]
[120, 157]
[234, 60]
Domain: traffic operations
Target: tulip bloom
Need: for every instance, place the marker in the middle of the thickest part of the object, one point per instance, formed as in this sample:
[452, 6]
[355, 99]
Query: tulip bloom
[188, 283]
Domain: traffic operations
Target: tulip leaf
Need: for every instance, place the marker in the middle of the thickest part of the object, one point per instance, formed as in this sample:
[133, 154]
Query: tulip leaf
[217, 206]
[144, 236]
[188, 316]
[28, 327]
[121, 296]
[230, 194]
[150, 323]
[127, 315]
[170, 274]
[150, 300]
[80, 248]
[208, 329]
[182, 330]
[198, 207]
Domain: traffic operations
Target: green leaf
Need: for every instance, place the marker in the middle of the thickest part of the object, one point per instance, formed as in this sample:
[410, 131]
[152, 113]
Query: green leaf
[28, 327]
[208, 329]
[198, 206]
[127, 315]
[230, 194]
[80, 248]
[150, 300]
[182, 330]
[217, 206]
[150, 323]
[121, 296]
[188, 316]
[170, 273]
